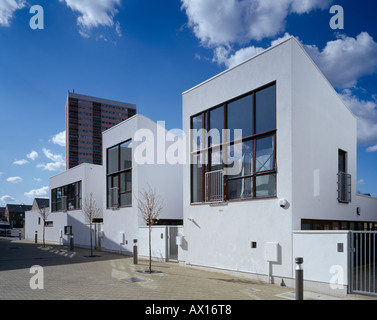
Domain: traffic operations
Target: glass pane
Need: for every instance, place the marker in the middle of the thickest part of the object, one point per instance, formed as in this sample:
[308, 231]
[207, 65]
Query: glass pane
[265, 186]
[197, 133]
[240, 116]
[341, 161]
[240, 188]
[240, 159]
[112, 160]
[264, 159]
[197, 172]
[265, 110]
[125, 155]
[129, 180]
[126, 199]
[216, 125]
[216, 160]
[123, 182]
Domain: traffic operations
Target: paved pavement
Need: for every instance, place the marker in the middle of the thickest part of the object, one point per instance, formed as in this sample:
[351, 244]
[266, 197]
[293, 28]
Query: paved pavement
[72, 275]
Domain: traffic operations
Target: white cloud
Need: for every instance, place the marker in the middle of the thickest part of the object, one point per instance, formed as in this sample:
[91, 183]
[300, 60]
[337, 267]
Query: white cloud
[59, 139]
[37, 192]
[222, 22]
[94, 13]
[345, 60]
[32, 155]
[372, 148]
[361, 181]
[224, 55]
[38, 179]
[7, 198]
[14, 179]
[7, 8]
[20, 162]
[366, 111]
[58, 163]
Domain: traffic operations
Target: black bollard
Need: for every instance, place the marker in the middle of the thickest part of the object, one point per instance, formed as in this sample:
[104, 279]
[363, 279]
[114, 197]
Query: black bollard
[299, 279]
[135, 251]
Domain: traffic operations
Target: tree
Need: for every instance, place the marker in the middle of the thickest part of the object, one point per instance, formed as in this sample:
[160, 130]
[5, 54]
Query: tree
[44, 212]
[150, 205]
[90, 211]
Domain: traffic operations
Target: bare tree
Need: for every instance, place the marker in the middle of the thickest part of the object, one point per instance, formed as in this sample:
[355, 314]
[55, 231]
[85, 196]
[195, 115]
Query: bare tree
[44, 212]
[150, 205]
[90, 210]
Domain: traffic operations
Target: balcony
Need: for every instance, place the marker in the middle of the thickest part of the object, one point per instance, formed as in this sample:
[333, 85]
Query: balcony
[344, 187]
[214, 186]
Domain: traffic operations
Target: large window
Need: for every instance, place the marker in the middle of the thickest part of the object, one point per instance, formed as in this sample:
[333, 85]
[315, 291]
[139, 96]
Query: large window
[66, 198]
[119, 175]
[239, 137]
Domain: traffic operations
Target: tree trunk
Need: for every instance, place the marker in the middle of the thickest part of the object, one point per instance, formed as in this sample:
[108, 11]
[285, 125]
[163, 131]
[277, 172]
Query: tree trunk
[91, 245]
[44, 227]
[150, 251]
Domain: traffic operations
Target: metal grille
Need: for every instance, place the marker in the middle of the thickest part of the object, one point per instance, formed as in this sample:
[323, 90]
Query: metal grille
[214, 186]
[344, 187]
[363, 262]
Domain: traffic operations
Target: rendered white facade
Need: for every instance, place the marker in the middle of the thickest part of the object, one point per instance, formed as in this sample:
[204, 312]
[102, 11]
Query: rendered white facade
[312, 124]
[90, 177]
[121, 225]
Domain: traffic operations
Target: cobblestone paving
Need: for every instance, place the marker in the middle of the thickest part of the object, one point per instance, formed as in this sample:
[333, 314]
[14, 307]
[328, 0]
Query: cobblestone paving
[74, 275]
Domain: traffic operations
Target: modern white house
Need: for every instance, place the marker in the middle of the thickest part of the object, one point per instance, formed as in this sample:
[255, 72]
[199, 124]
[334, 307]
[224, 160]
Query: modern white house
[135, 159]
[68, 190]
[252, 199]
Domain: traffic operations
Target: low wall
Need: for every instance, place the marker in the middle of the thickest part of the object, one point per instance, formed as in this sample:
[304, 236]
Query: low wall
[326, 259]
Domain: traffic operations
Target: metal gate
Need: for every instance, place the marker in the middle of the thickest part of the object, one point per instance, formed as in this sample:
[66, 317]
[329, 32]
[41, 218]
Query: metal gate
[363, 256]
[172, 244]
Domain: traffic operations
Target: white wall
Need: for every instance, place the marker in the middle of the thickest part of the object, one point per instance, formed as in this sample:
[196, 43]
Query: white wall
[324, 266]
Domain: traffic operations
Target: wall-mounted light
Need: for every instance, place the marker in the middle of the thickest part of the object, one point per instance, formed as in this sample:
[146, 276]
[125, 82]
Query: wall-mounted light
[358, 211]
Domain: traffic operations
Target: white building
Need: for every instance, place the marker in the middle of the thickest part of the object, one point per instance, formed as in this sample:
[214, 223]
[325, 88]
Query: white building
[67, 193]
[298, 139]
[135, 158]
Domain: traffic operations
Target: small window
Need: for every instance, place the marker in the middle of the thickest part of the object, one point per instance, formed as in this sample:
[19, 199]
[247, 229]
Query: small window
[342, 156]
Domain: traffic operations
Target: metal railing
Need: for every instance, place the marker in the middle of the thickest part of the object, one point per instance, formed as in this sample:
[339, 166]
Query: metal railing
[214, 186]
[344, 187]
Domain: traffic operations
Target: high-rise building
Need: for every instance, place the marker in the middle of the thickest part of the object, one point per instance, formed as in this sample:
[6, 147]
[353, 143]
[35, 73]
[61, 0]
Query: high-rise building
[86, 118]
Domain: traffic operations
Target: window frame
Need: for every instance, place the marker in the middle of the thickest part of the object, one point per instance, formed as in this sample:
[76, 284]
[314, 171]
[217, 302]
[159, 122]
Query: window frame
[118, 174]
[62, 191]
[207, 148]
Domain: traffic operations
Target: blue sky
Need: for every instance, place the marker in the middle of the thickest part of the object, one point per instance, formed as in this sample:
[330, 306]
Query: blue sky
[148, 53]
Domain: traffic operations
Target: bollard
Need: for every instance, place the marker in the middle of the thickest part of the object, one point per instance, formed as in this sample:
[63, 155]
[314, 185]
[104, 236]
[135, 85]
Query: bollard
[36, 236]
[71, 243]
[299, 279]
[135, 251]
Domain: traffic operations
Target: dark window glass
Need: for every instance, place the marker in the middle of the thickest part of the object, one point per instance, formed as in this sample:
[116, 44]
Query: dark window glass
[240, 188]
[125, 155]
[197, 172]
[216, 125]
[265, 109]
[197, 138]
[265, 186]
[240, 159]
[264, 154]
[112, 160]
[240, 116]
[342, 161]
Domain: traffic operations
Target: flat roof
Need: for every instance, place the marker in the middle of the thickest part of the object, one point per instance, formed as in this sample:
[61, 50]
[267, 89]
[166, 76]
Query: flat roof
[100, 100]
